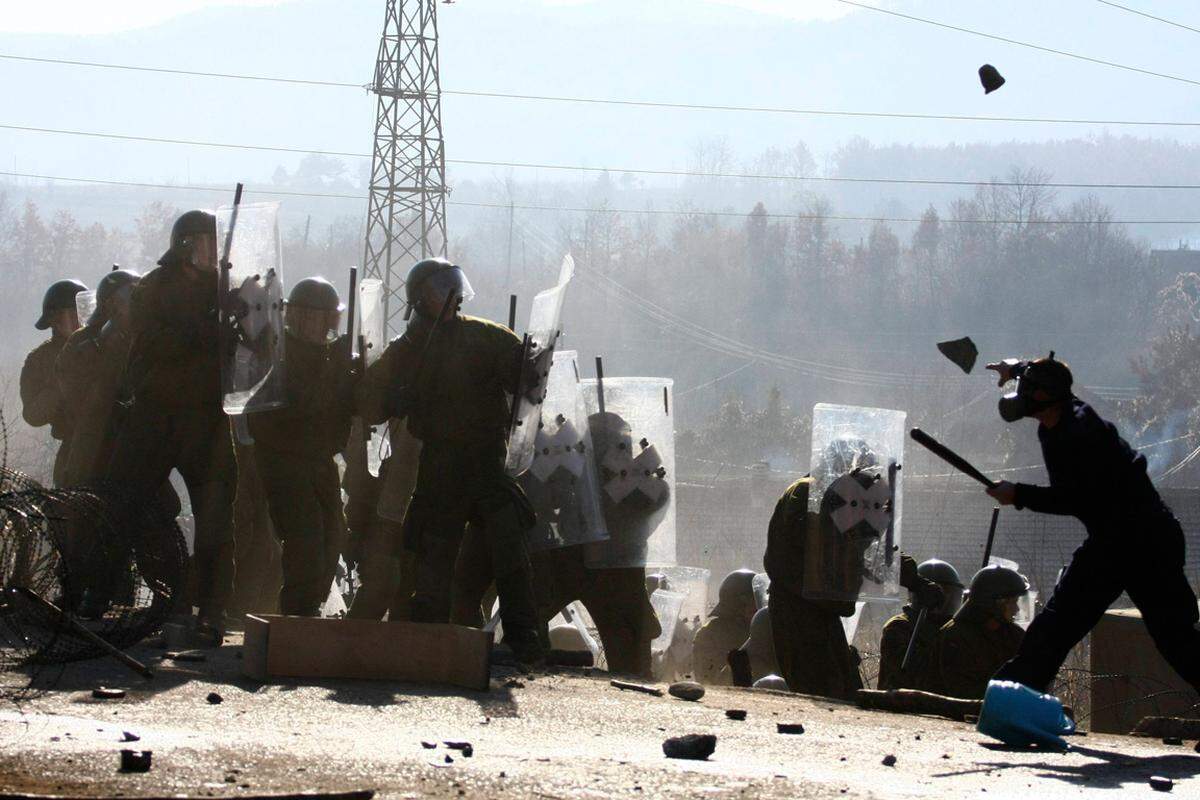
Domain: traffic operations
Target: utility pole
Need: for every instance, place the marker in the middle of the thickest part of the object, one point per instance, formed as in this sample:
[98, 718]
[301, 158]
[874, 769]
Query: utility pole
[406, 206]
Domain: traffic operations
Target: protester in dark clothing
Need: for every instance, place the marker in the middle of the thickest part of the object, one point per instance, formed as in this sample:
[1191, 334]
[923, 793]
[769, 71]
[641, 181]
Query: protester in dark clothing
[1134, 543]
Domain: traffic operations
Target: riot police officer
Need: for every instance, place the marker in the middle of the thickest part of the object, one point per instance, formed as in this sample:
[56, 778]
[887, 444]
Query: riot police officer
[897, 632]
[728, 626]
[969, 649]
[176, 418]
[41, 395]
[294, 446]
[450, 375]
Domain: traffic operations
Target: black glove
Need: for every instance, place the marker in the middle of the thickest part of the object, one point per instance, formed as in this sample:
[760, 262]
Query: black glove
[928, 594]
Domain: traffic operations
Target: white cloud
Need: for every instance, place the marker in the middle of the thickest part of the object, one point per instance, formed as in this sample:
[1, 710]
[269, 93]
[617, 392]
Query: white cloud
[90, 17]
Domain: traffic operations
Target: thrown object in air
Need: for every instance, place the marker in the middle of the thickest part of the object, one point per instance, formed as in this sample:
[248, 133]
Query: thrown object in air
[1020, 716]
[991, 78]
[962, 352]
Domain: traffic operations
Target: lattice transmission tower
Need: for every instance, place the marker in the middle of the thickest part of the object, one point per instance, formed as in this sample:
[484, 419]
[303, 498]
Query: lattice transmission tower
[406, 211]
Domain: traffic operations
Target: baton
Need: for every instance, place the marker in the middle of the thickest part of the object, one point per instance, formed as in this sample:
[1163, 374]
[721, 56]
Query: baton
[351, 309]
[912, 640]
[987, 553]
[950, 457]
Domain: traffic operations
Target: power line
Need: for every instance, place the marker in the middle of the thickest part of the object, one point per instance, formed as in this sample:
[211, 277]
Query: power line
[678, 173]
[1018, 43]
[1150, 16]
[627, 102]
[607, 210]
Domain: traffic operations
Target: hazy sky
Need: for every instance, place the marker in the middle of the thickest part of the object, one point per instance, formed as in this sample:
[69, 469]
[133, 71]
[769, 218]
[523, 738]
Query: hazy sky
[83, 17]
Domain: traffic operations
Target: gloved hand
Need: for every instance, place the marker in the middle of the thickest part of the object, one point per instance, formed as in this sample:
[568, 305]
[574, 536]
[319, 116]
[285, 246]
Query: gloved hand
[928, 594]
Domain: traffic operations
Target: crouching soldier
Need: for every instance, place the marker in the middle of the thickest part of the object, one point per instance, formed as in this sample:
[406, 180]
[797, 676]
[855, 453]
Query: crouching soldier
[294, 446]
[728, 626]
[969, 649]
[897, 633]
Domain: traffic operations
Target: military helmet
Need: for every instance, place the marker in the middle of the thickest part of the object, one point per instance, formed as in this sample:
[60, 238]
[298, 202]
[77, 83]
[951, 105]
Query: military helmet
[189, 225]
[656, 581]
[995, 582]
[736, 592]
[317, 294]
[568, 638]
[760, 641]
[939, 571]
[59, 297]
[434, 280]
[108, 287]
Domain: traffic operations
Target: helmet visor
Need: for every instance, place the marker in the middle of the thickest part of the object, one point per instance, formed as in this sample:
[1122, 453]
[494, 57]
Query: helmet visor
[442, 285]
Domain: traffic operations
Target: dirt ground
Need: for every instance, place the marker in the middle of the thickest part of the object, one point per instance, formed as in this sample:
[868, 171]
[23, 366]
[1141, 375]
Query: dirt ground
[550, 735]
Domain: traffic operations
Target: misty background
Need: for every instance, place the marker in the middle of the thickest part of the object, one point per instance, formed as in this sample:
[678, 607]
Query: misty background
[758, 296]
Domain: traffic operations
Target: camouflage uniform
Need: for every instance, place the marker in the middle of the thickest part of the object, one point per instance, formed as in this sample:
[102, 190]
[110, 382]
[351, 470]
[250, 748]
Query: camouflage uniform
[42, 400]
[294, 448]
[710, 650]
[177, 420]
[969, 649]
[460, 413]
[894, 644]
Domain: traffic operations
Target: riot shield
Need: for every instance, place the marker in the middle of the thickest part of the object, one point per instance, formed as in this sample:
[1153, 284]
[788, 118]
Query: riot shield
[634, 444]
[85, 306]
[667, 605]
[692, 583]
[561, 482]
[401, 476]
[542, 334]
[761, 586]
[373, 339]
[851, 546]
[250, 299]
[370, 318]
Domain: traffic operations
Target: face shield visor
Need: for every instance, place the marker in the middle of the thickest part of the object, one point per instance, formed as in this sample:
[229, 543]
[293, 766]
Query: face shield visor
[438, 288]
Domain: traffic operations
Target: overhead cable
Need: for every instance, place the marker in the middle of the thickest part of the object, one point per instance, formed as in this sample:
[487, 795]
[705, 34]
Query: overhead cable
[623, 101]
[1150, 16]
[1041, 48]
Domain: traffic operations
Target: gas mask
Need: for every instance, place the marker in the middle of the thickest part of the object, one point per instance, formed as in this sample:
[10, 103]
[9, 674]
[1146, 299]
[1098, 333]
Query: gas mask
[1046, 375]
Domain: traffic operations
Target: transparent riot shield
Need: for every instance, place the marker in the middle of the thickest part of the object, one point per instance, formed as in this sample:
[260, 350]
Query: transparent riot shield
[667, 605]
[851, 546]
[562, 482]
[370, 318]
[633, 436]
[250, 299]
[762, 589]
[692, 583]
[85, 306]
[542, 334]
[373, 340]
[401, 476]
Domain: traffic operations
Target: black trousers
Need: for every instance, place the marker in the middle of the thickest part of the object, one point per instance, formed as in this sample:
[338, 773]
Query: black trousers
[1145, 561]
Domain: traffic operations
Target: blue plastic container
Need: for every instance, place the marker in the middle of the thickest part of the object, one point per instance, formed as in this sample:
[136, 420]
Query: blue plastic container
[1018, 715]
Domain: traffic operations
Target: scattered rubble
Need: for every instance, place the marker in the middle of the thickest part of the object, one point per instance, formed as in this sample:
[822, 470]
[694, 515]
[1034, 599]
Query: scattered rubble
[214, 698]
[738, 714]
[1161, 784]
[463, 747]
[789, 727]
[104, 693]
[136, 760]
[686, 690]
[126, 736]
[1174, 740]
[636, 687]
[194, 656]
[889, 760]
[694, 746]
[428, 745]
